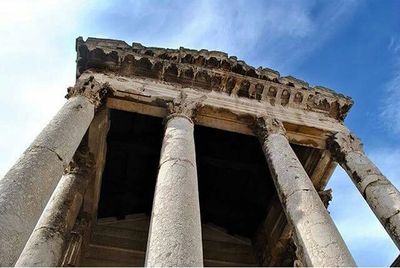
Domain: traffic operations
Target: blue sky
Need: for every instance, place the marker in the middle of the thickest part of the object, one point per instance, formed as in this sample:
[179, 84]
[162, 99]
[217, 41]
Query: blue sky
[350, 46]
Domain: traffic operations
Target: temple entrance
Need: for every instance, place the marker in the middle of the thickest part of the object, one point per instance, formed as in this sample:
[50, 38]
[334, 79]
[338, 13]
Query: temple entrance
[235, 186]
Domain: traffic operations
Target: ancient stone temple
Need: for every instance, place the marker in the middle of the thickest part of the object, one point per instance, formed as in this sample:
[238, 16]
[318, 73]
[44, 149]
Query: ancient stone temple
[179, 157]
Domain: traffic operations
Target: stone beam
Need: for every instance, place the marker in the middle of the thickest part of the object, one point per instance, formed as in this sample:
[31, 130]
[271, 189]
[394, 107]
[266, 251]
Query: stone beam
[28, 185]
[220, 110]
[381, 195]
[316, 237]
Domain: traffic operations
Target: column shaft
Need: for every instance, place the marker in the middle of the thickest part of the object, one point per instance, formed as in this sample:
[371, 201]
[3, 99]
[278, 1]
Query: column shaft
[47, 242]
[175, 229]
[28, 185]
[381, 195]
[316, 236]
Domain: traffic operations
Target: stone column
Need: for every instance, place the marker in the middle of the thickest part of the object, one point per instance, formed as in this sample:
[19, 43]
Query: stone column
[47, 242]
[175, 228]
[380, 194]
[28, 185]
[316, 237]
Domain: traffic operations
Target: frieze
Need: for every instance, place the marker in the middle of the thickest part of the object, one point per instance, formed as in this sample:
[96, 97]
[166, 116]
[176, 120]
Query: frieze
[208, 71]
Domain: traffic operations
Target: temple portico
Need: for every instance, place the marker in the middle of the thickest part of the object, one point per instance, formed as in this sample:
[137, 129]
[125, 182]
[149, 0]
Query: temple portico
[179, 157]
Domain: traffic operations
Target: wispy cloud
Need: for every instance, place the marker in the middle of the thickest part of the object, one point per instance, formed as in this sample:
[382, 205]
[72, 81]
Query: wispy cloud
[394, 44]
[276, 29]
[283, 32]
[37, 57]
[391, 109]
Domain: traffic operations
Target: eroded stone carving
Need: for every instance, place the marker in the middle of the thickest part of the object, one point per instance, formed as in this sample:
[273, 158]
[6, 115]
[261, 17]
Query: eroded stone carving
[265, 126]
[341, 144]
[90, 89]
[184, 106]
[208, 71]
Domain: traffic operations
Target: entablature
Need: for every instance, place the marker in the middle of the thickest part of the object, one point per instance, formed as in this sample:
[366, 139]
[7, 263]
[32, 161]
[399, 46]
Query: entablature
[209, 72]
[222, 111]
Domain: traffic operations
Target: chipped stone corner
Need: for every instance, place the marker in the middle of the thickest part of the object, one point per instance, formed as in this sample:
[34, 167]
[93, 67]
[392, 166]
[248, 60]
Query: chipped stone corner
[341, 144]
[185, 106]
[91, 89]
[265, 126]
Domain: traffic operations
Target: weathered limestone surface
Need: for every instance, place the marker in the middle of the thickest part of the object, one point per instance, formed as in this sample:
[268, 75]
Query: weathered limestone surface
[317, 239]
[28, 185]
[209, 71]
[26, 188]
[175, 229]
[46, 244]
[380, 194]
[220, 111]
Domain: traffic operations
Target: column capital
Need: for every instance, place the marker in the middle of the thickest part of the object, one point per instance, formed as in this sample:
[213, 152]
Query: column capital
[182, 106]
[91, 89]
[341, 143]
[265, 126]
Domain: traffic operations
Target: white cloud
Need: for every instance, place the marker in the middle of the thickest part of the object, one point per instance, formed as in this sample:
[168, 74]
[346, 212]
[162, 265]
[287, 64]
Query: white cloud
[277, 34]
[284, 31]
[240, 25]
[37, 59]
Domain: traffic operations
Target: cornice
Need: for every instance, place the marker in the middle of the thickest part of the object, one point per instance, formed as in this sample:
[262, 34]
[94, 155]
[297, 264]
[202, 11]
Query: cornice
[208, 71]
